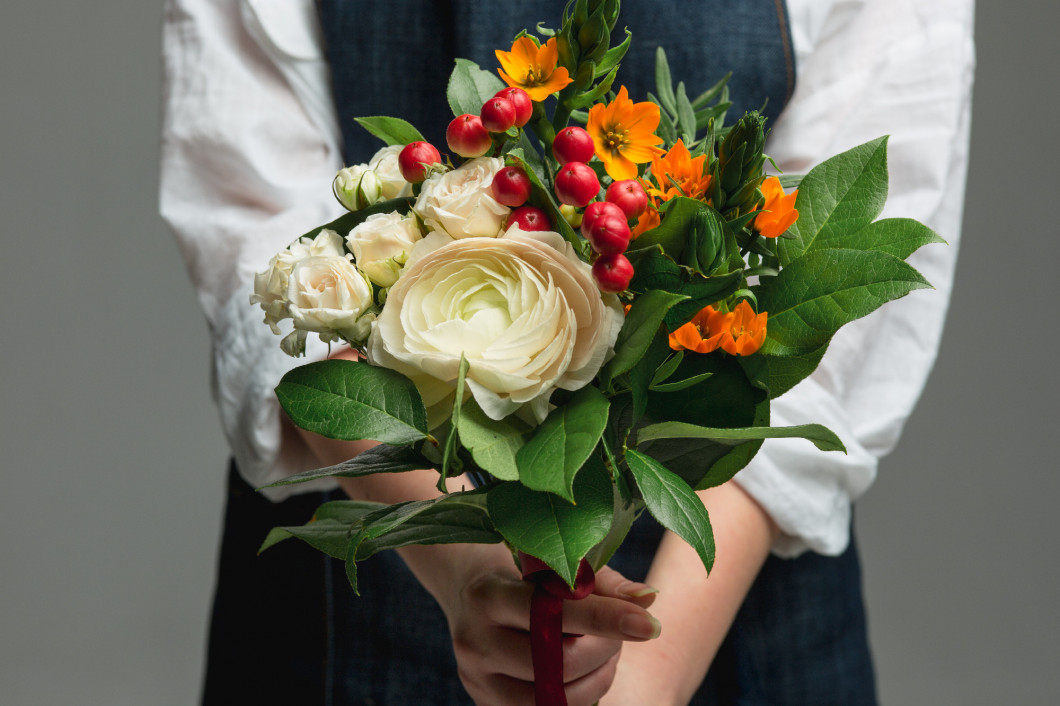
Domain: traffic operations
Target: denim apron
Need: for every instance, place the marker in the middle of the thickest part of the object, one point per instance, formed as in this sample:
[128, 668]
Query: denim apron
[287, 629]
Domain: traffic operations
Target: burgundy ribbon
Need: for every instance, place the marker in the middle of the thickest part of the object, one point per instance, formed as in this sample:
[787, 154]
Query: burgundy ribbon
[546, 623]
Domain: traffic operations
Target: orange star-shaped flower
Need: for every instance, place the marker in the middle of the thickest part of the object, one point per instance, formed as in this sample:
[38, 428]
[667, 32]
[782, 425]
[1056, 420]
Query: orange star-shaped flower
[623, 134]
[677, 173]
[778, 212]
[533, 68]
[739, 332]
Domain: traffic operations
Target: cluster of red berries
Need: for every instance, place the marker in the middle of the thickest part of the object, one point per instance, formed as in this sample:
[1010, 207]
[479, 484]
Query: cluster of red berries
[605, 224]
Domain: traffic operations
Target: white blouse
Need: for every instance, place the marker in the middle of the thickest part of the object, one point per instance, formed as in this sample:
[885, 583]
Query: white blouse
[250, 144]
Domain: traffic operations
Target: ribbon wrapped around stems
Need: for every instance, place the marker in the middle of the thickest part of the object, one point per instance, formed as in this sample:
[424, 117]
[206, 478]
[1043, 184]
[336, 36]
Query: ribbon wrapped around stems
[546, 623]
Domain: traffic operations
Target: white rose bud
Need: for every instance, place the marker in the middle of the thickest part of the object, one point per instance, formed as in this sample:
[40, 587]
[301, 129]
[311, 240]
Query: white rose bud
[385, 165]
[461, 202]
[357, 187]
[381, 245]
[329, 296]
[270, 285]
[522, 308]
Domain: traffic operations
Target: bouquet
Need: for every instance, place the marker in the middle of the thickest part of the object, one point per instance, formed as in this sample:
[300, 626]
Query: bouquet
[585, 306]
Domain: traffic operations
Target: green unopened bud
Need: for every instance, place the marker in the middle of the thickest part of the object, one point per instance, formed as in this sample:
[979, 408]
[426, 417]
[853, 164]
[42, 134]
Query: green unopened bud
[357, 187]
[740, 156]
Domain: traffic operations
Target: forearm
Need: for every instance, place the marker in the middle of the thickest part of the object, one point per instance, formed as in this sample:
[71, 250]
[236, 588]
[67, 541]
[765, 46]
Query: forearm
[695, 611]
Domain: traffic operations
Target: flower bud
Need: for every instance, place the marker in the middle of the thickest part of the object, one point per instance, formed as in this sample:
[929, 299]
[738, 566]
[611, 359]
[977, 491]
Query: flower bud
[357, 187]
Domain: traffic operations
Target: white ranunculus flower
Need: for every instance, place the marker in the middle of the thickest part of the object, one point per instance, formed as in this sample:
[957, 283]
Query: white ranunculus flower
[381, 245]
[270, 285]
[522, 308]
[327, 295]
[461, 202]
[385, 164]
[357, 187]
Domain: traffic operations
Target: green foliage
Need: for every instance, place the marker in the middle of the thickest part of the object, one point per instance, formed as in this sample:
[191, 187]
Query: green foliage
[449, 450]
[392, 131]
[821, 436]
[470, 87]
[329, 530]
[656, 271]
[378, 459]
[546, 526]
[493, 444]
[341, 399]
[639, 328]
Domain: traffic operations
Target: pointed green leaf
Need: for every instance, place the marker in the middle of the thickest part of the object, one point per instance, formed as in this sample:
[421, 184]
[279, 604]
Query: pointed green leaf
[393, 131]
[686, 116]
[785, 372]
[822, 437]
[493, 444]
[674, 504]
[456, 518]
[343, 399]
[664, 83]
[558, 448]
[378, 459]
[817, 294]
[678, 385]
[640, 327]
[900, 237]
[841, 195]
[469, 87]
[329, 530]
[550, 528]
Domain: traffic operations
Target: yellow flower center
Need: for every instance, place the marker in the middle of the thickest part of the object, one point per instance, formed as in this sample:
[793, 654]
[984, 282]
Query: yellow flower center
[615, 140]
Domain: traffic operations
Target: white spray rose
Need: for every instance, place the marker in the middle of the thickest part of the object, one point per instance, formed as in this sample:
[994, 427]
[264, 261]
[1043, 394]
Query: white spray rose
[357, 187]
[461, 202]
[385, 165]
[381, 245]
[270, 285]
[522, 308]
[329, 296]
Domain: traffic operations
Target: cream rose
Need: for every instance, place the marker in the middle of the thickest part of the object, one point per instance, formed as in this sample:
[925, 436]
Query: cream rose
[329, 296]
[461, 202]
[270, 285]
[357, 187]
[385, 165]
[381, 245]
[523, 309]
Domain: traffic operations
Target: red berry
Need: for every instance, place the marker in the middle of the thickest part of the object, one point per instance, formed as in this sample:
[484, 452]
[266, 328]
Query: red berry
[520, 99]
[612, 272]
[597, 209]
[576, 184]
[609, 234]
[498, 114]
[529, 218]
[572, 144]
[629, 196]
[415, 158]
[511, 186]
[467, 137]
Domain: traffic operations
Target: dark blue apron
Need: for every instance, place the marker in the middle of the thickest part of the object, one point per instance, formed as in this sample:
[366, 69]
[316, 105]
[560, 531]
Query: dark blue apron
[286, 627]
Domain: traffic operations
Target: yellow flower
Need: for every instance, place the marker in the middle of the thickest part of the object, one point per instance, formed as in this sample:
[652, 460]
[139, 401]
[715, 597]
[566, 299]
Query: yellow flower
[533, 68]
[739, 332]
[778, 212]
[623, 134]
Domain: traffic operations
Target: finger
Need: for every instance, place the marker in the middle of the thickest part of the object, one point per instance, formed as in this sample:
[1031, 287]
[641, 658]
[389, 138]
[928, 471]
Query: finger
[611, 618]
[502, 600]
[498, 689]
[592, 687]
[613, 584]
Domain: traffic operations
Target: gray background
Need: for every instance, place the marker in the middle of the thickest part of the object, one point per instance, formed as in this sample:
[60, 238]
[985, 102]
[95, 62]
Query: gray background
[113, 461]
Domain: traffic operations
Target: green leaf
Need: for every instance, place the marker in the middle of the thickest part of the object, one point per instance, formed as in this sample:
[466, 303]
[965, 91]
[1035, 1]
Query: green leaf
[815, 295]
[469, 87]
[723, 470]
[841, 195]
[686, 116]
[640, 327]
[548, 527]
[452, 440]
[664, 371]
[900, 237]
[645, 372]
[653, 270]
[553, 455]
[791, 181]
[613, 55]
[674, 504]
[664, 83]
[343, 399]
[329, 530]
[493, 444]
[822, 437]
[378, 459]
[393, 131]
[456, 518]
[680, 384]
[785, 372]
[711, 93]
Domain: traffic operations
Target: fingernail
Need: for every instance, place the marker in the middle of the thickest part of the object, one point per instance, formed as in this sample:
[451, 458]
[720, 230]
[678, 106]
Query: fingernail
[637, 590]
[640, 626]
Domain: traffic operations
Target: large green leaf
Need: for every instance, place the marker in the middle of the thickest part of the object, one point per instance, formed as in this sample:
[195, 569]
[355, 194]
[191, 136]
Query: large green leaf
[822, 437]
[469, 87]
[900, 237]
[329, 530]
[654, 270]
[550, 528]
[674, 504]
[841, 195]
[555, 452]
[639, 329]
[493, 443]
[343, 399]
[393, 131]
[785, 372]
[378, 459]
[817, 294]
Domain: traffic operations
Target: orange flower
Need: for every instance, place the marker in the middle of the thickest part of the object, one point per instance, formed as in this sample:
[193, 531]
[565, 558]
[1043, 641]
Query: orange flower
[778, 212]
[623, 134]
[533, 68]
[679, 167]
[739, 332]
[647, 220]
